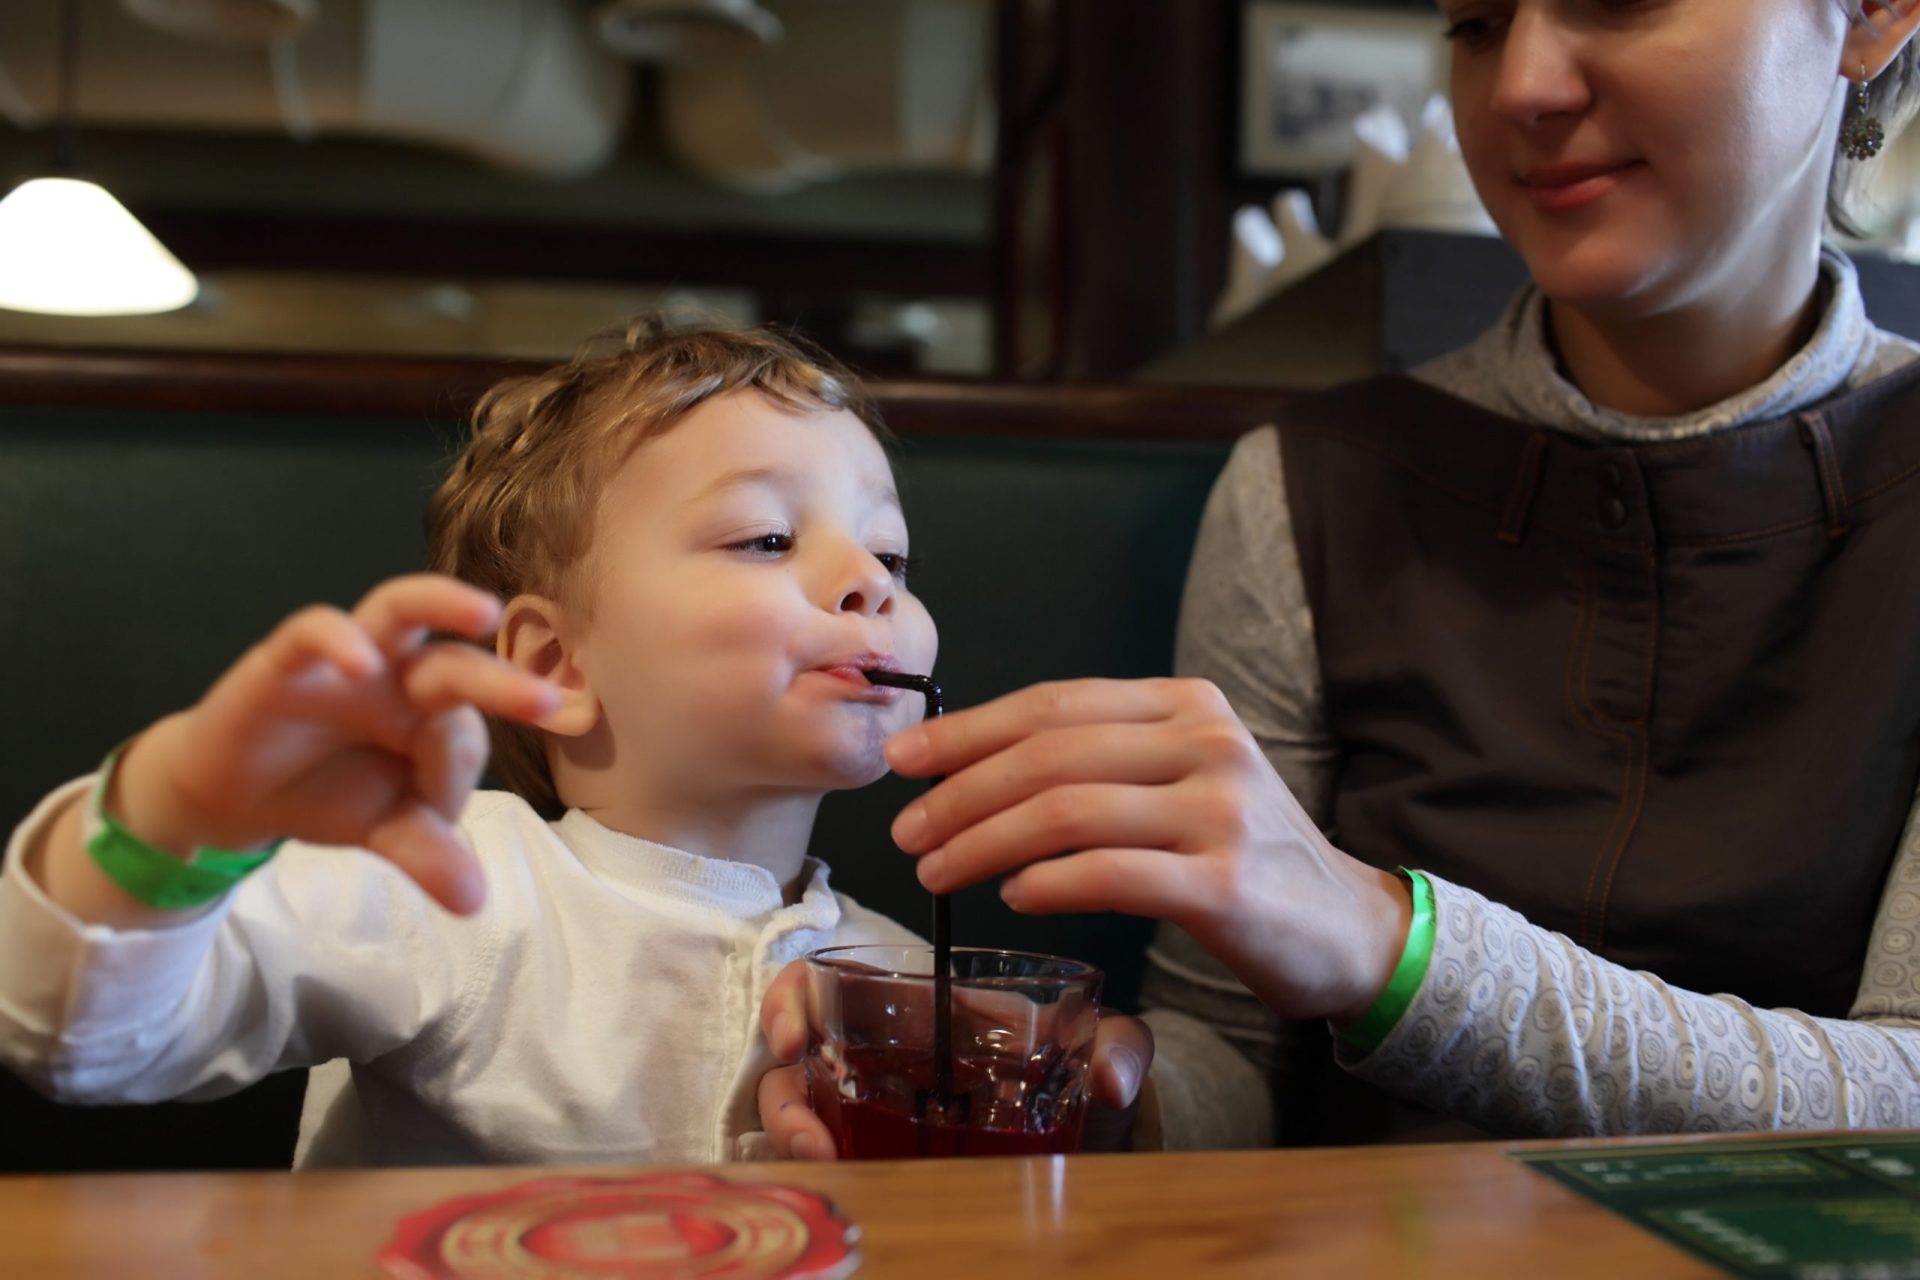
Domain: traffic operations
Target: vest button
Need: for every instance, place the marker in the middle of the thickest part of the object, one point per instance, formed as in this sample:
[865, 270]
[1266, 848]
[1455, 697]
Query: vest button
[1613, 513]
[1613, 478]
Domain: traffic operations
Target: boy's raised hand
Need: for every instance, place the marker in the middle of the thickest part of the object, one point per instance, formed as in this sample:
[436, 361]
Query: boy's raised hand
[339, 728]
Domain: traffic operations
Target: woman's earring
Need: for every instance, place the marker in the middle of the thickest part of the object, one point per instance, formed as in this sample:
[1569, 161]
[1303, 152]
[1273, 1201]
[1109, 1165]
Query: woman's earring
[1862, 135]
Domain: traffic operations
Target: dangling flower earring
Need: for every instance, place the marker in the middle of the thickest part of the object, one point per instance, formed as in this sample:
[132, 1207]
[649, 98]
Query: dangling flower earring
[1862, 135]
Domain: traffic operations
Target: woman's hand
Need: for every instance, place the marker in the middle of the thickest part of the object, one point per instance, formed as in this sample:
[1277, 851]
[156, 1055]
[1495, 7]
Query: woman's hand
[1122, 1053]
[1149, 797]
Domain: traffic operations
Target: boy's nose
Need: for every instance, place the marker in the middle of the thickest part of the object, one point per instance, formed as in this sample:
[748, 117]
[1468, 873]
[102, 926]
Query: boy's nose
[869, 591]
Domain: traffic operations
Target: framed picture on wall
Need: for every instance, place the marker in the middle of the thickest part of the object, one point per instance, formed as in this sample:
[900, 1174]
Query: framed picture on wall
[1308, 71]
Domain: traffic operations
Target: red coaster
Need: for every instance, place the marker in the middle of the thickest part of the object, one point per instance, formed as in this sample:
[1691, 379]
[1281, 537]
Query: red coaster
[690, 1226]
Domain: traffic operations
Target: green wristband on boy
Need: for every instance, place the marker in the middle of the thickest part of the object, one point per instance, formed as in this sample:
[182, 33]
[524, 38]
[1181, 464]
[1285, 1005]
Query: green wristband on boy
[151, 876]
[1370, 1028]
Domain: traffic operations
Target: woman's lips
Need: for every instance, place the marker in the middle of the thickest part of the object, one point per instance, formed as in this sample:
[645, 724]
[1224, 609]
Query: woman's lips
[1566, 187]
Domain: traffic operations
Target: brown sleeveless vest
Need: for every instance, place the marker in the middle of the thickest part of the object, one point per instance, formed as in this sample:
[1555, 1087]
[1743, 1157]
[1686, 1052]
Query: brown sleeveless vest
[1663, 698]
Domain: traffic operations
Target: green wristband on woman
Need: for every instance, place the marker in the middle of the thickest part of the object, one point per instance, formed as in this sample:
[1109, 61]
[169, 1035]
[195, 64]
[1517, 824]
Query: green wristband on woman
[1370, 1028]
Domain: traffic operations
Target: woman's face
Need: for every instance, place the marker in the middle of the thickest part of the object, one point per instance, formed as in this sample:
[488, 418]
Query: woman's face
[1650, 154]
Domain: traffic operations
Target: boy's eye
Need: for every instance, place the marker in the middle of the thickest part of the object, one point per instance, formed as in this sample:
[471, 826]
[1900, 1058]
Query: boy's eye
[897, 563]
[766, 544]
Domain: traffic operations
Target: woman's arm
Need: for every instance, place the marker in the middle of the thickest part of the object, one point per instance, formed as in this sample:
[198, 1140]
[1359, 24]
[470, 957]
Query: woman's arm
[1519, 1031]
[1150, 798]
[1153, 798]
[1632, 1054]
[1244, 625]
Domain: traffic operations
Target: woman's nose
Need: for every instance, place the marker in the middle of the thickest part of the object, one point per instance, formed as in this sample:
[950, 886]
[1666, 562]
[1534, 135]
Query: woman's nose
[1540, 74]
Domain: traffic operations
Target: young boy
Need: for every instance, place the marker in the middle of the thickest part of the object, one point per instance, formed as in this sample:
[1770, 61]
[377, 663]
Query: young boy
[700, 550]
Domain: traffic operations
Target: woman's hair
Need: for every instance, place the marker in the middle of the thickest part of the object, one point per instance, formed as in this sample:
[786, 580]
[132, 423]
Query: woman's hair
[516, 513]
[1893, 97]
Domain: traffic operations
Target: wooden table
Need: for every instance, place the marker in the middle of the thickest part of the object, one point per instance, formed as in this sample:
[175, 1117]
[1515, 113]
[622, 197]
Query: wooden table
[1428, 1212]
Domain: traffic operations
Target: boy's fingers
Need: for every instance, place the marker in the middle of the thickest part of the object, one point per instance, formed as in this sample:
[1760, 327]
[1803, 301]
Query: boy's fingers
[783, 1014]
[1122, 1052]
[449, 675]
[424, 846]
[951, 743]
[400, 612]
[449, 753]
[1138, 754]
[788, 1118]
[320, 633]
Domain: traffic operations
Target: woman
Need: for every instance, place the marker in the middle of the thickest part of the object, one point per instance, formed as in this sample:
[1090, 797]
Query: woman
[1606, 625]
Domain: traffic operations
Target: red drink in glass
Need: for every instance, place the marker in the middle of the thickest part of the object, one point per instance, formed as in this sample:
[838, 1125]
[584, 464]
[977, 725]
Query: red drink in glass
[1023, 1029]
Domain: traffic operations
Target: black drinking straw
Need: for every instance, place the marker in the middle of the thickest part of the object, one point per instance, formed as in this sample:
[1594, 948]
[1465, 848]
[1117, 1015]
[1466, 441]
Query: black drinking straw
[942, 912]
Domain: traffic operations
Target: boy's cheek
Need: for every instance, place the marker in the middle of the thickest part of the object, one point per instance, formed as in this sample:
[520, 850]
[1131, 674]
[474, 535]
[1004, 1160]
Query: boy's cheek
[715, 633]
[919, 638]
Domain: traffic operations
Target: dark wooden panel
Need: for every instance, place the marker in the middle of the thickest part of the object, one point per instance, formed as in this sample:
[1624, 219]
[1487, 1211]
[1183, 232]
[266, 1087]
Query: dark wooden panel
[819, 266]
[1082, 411]
[1148, 208]
[246, 382]
[445, 389]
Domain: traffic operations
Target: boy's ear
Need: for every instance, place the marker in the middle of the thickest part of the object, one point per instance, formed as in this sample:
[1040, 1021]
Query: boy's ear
[530, 638]
[1882, 31]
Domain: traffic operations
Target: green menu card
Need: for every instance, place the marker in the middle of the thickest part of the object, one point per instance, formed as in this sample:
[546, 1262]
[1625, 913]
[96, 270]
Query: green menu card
[1825, 1208]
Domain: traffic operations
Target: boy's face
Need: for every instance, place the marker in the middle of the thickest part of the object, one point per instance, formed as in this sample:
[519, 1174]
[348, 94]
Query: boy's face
[746, 566]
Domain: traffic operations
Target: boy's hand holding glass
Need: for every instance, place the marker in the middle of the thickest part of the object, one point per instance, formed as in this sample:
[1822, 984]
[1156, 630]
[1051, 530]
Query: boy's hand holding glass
[843, 999]
[355, 729]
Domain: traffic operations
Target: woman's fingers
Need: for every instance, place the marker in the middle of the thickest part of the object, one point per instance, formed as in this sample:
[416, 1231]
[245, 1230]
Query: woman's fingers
[1121, 753]
[788, 1117]
[399, 613]
[425, 846]
[951, 743]
[1133, 882]
[1057, 821]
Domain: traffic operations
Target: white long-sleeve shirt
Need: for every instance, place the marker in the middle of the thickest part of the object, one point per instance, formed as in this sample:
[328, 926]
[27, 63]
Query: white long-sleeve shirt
[1516, 1030]
[603, 1006]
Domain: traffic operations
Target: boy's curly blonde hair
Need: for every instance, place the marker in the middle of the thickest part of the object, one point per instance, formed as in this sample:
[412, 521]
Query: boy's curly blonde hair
[516, 513]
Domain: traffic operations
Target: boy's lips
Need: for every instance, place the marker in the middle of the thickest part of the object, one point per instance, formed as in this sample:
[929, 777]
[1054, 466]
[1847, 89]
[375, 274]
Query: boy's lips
[851, 672]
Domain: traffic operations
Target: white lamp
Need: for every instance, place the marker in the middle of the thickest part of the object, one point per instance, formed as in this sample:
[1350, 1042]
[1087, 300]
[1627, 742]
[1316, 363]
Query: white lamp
[67, 247]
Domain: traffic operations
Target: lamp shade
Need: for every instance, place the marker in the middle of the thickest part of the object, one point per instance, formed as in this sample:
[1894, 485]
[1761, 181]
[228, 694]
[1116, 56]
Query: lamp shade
[67, 247]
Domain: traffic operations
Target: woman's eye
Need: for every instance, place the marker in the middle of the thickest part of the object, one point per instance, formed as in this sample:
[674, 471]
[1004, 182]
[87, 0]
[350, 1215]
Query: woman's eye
[1471, 31]
[1475, 24]
[766, 544]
